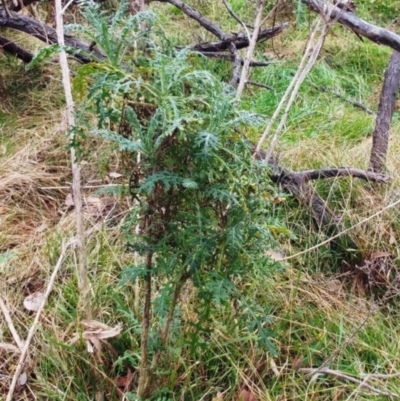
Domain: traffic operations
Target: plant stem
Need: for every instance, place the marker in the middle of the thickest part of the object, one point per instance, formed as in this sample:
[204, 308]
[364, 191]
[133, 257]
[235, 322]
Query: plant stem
[144, 369]
[168, 320]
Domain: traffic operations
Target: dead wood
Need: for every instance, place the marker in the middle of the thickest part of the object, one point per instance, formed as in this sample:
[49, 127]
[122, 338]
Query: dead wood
[387, 103]
[240, 40]
[230, 57]
[372, 32]
[12, 48]
[47, 34]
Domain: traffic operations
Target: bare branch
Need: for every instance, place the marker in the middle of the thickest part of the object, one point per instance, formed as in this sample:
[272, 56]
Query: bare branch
[341, 172]
[200, 18]
[12, 48]
[230, 57]
[239, 39]
[372, 32]
[270, 88]
[250, 50]
[387, 103]
[48, 35]
[349, 378]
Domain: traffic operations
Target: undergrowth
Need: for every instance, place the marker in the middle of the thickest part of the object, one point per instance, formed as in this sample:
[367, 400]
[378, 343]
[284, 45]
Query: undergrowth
[313, 307]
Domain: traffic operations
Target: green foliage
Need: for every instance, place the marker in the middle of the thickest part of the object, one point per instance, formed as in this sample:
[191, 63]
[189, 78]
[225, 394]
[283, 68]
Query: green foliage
[202, 203]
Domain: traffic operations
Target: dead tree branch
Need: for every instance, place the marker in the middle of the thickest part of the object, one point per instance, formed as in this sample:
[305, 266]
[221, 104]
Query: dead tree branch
[387, 103]
[372, 32]
[240, 40]
[12, 48]
[48, 35]
[350, 378]
[200, 18]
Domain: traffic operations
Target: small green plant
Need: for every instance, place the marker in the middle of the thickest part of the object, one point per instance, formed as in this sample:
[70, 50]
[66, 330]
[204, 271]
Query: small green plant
[202, 202]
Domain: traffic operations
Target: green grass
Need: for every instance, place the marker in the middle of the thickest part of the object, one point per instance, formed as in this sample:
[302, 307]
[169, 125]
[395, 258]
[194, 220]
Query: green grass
[311, 306]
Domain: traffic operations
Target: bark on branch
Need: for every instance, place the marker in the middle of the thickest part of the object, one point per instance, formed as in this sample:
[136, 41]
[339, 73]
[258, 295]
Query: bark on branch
[240, 40]
[387, 103]
[12, 48]
[372, 32]
[48, 35]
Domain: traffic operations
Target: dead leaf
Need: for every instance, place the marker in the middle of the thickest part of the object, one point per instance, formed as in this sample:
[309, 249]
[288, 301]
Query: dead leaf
[114, 174]
[9, 347]
[93, 201]
[218, 397]
[297, 362]
[275, 255]
[274, 368]
[377, 255]
[95, 332]
[125, 382]
[245, 395]
[69, 200]
[32, 302]
[22, 379]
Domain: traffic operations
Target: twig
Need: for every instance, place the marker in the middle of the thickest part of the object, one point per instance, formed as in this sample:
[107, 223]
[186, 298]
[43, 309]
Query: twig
[200, 18]
[352, 102]
[83, 281]
[10, 324]
[349, 378]
[32, 330]
[229, 57]
[260, 85]
[250, 50]
[236, 17]
[382, 375]
[330, 239]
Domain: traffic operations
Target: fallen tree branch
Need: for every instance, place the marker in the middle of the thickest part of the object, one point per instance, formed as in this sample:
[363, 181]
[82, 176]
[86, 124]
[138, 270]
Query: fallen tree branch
[240, 40]
[260, 85]
[16, 50]
[350, 378]
[200, 18]
[237, 65]
[230, 57]
[372, 32]
[350, 101]
[48, 35]
[340, 172]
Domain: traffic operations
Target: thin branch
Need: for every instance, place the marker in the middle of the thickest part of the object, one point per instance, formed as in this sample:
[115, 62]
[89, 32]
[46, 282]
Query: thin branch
[32, 330]
[11, 47]
[250, 50]
[240, 40]
[270, 88]
[236, 17]
[349, 378]
[10, 324]
[332, 238]
[200, 18]
[47, 34]
[340, 172]
[372, 32]
[229, 57]
[83, 281]
[350, 101]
